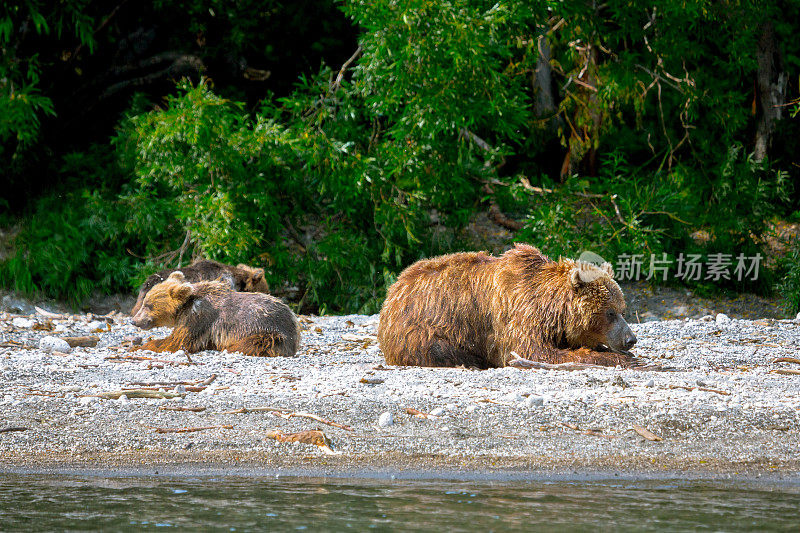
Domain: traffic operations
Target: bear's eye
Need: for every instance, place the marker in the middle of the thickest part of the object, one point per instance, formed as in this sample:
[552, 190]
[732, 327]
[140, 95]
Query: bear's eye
[611, 315]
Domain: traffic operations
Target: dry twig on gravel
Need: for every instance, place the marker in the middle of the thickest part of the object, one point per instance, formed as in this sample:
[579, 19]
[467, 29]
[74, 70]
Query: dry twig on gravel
[418, 414]
[312, 416]
[706, 389]
[592, 432]
[786, 360]
[137, 393]
[647, 434]
[786, 371]
[181, 408]
[187, 429]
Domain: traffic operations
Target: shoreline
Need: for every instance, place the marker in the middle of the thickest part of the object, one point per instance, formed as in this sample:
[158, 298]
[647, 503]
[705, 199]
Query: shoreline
[729, 409]
[405, 468]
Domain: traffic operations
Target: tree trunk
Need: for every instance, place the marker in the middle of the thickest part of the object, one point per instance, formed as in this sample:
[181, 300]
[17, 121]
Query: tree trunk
[544, 104]
[771, 90]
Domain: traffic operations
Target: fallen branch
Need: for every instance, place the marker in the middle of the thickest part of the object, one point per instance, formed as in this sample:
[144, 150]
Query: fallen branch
[181, 408]
[649, 435]
[315, 437]
[591, 432]
[312, 416]
[124, 358]
[786, 371]
[418, 414]
[11, 429]
[188, 429]
[519, 362]
[706, 389]
[243, 410]
[190, 386]
[137, 393]
[786, 360]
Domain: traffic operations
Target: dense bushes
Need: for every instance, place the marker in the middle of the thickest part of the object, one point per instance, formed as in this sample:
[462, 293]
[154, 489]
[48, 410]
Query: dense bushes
[610, 129]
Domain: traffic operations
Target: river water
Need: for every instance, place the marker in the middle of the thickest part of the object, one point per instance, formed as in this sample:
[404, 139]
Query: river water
[70, 502]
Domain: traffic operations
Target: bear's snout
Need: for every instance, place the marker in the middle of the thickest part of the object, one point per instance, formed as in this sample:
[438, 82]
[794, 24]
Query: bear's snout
[142, 321]
[630, 340]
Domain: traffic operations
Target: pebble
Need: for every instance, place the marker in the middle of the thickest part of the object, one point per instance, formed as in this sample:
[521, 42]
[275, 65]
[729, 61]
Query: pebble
[21, 322]
[650, 383]
[437, 412]
[722, 318]
[54, 344]
[180, 389]
[97, 324]
[534, 401]
[386, 419]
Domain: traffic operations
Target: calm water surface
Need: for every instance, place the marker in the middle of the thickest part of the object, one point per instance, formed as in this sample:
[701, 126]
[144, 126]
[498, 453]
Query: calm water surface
[40, 503]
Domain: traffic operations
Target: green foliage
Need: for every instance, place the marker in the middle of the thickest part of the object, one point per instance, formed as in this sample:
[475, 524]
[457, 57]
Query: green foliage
[21, 100]
[789, 286]
[338, 184]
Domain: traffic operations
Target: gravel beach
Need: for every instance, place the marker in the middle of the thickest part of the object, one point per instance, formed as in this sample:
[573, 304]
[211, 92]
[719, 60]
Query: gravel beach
[727, 405]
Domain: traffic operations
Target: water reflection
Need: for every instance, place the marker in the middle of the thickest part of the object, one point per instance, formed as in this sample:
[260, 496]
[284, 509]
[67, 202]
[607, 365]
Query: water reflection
[243, 504]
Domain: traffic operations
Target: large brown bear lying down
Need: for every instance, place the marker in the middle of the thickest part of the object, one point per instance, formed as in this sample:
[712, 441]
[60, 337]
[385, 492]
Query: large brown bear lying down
[209, 315]
[240, 278]
[475, 309]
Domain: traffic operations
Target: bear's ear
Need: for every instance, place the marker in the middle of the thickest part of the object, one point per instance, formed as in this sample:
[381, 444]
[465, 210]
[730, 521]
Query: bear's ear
[584, 273]
[177, 276]
[181, 292]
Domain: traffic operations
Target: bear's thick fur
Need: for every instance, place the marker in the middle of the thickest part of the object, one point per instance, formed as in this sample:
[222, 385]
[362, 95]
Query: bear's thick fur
[209, 315]
[474, 309]
[240, 277]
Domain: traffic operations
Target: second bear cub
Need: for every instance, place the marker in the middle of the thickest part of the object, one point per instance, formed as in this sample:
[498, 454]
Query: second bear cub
[209, 315]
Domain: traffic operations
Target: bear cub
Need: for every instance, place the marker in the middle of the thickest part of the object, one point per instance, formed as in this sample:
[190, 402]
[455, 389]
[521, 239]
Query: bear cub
[474, 309]
[210, 315]
[240, 278]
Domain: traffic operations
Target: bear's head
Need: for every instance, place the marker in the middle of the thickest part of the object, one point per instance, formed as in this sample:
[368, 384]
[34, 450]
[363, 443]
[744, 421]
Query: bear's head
[162, 303]
[254, 279]
[596, 320]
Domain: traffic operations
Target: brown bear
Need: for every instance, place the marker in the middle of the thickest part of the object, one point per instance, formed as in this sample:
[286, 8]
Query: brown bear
[210, 315]
[474, 309]
[240, 277]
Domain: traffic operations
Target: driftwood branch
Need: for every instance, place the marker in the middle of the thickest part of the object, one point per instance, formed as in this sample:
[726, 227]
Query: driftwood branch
[187, 429]
[647, 434]
[519, 362]
[137, 393]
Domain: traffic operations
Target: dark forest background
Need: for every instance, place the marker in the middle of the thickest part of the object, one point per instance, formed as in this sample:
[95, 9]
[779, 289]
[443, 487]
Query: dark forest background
[334, 143]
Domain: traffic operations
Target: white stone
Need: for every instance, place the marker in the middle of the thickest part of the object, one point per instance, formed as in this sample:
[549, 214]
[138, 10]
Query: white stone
[437, 412]
[54, 344]
[797, 317]
[87, 400]
[22, 322]
[650, 383]
[534, 401]
[180, 389]
[471, 408]
[386, 419]
[96, 324]
[123, 399]
[722, 318]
